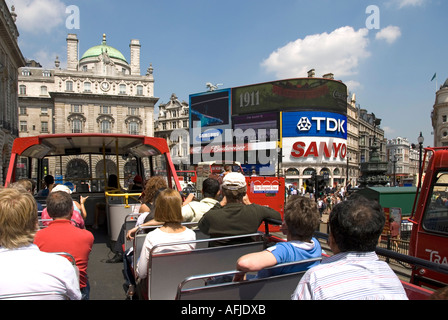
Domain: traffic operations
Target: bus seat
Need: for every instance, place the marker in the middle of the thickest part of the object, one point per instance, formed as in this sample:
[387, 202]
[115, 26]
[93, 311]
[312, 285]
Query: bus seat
[129, 222]
[278, 287]
[116, 213]
[167, 270]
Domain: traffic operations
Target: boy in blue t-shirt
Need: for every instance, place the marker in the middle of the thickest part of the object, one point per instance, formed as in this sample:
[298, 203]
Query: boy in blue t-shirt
[301, 220]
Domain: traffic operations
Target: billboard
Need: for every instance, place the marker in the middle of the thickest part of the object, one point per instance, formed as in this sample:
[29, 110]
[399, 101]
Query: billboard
[291, 95]
[209, 116]
[258, 127]
[316, 124]
[314, 137]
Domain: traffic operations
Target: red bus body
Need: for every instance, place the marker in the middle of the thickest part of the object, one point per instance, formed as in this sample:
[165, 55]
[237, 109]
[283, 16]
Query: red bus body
[429, 237]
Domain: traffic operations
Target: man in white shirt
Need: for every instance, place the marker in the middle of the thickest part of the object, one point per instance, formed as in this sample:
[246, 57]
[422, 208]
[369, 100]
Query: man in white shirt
[24, 268]
[192, 211]
[354, 271]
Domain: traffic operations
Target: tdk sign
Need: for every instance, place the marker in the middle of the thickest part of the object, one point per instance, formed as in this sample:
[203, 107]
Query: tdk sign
[314, 124]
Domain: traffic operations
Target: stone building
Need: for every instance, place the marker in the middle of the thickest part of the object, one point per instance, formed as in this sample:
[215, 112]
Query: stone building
[11, 59]
[439, 116]
[99, 92]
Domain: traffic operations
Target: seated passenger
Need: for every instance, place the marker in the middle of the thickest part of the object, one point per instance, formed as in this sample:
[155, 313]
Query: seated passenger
[238, 216]
[79, 210]
[167, 210]
[48, 185]
[192, 211]
[24, 268]
[62, 236]
[354, 271]
[301, 220]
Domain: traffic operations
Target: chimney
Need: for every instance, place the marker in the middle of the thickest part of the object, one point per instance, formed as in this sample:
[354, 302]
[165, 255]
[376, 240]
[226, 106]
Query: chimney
[311, 73]
[328, 76]
[72, 52]
[135, 57]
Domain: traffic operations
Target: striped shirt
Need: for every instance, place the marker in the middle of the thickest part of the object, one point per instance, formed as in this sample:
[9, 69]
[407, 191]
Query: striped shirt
[350, 276]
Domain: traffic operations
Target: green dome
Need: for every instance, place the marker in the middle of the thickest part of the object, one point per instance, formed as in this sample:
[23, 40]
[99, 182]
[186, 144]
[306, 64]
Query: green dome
[103, 47]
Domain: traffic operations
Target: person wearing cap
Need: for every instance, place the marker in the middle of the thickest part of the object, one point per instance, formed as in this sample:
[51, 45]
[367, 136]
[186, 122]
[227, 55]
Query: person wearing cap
[79, 210]
[235, 215]
[138, 183]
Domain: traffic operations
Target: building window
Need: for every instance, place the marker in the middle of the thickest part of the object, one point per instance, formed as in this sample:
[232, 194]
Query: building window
[444, 118]
[164, 126]
[105, 126]
[26, 72]
[76, 126]
[44, 126]
[44, 110]
[174, 125]
[69, 86]
[174, 113]
[76, 108]
[43, 90]
[84, 68]
[122, 89]
[133, 111]
[22, 89]
[87, 86]
[139, 90]
[105, 109]
[133, 127]
[185, 123]
[46, 73]
[22, 110]
[23, 126]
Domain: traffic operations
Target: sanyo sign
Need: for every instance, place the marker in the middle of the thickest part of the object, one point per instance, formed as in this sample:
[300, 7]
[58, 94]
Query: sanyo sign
[314, 137]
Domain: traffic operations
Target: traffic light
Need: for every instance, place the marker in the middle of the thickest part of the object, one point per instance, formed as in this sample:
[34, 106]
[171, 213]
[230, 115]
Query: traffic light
[320, 186]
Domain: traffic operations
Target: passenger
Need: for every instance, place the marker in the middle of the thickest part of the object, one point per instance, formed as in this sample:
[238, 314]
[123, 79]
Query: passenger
[27, 184]
[354, 271]
[152, 187]
[48, 185]
[192, 211]
[301, 220]
[168, 208]
[24, 268]
[62, 236]
[138, 184]
[79, 209]
[235, 215]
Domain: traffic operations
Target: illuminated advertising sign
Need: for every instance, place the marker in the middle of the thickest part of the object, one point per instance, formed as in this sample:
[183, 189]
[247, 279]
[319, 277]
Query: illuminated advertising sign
[314, 150]
[315, 124]
[258, 127]
[301, 94]
[209, 114]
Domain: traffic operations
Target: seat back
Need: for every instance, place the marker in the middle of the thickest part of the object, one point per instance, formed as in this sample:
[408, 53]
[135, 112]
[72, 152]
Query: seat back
[167, 270]
[278, 287]
[129, 222]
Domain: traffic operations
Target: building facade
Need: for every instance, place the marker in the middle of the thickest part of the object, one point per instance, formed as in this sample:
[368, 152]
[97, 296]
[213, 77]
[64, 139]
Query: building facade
[172, 124]
[11, 59]
[99, 92]
[439, 116]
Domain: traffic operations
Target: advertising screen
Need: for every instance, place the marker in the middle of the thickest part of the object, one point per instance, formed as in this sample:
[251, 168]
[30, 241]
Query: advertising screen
[209, 116]
[291, 95]
[259, 127]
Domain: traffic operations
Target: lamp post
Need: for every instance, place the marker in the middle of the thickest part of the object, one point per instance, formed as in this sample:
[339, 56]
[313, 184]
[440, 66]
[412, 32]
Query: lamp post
[420, 142]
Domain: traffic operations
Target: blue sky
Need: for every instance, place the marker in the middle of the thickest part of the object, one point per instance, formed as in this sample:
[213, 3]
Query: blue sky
[387, 56]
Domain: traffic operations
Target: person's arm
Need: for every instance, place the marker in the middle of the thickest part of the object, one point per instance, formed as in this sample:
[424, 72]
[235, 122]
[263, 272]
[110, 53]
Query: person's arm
[254, 262]
[131, 233]
[83, 207]
[189, 198]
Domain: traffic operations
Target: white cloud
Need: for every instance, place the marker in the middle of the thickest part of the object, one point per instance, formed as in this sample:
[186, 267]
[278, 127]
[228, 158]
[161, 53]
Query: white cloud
[390, 34]
[408, 3]
[38, 16]
[338, 52]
